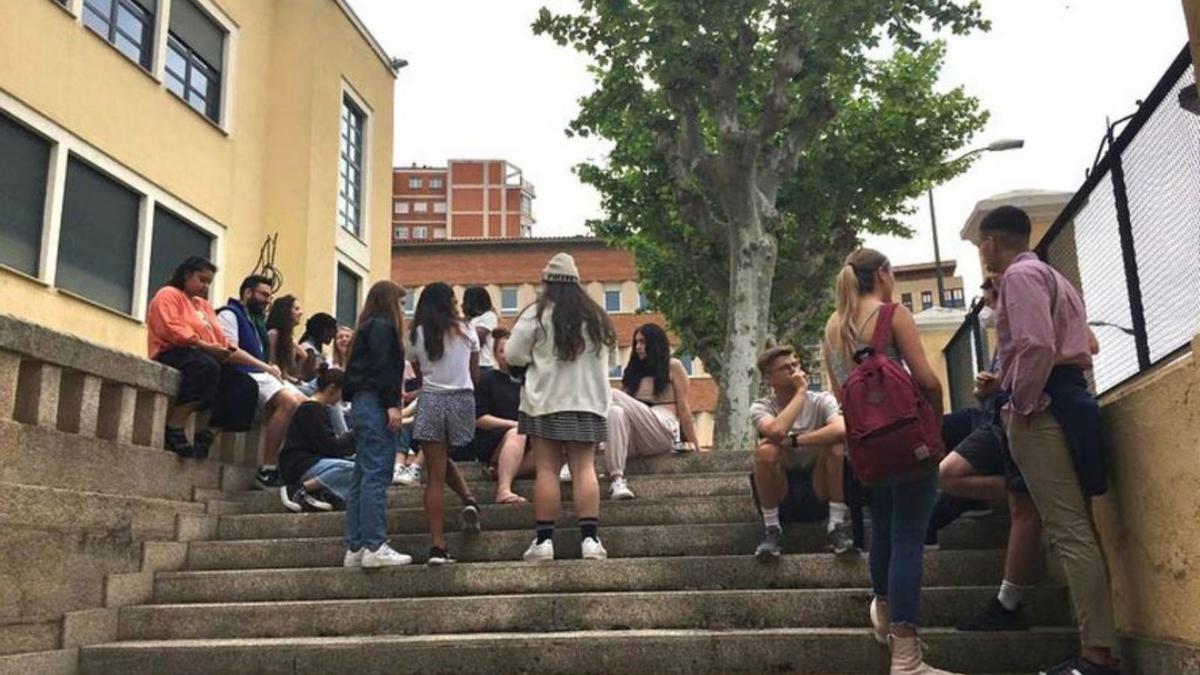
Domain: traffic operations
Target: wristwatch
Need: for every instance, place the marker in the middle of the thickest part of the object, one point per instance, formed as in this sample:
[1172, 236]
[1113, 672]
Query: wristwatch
[794, 439]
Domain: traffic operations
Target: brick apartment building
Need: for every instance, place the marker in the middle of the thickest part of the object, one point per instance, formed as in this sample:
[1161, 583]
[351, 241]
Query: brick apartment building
[916, 285]
[466, 198]
[510, 268]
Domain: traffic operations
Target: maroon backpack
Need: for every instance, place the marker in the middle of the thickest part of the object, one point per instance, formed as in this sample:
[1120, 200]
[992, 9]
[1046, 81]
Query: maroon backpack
[891, 428]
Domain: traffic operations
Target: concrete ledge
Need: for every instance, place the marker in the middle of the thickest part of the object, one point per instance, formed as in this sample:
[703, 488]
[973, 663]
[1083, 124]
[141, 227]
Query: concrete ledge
[89, 627]
[59, 662]
[1141, 655]
[29, 635]
[67, 351]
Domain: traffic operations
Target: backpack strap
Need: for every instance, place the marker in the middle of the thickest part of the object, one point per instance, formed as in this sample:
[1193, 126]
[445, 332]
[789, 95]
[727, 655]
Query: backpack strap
[883, 328]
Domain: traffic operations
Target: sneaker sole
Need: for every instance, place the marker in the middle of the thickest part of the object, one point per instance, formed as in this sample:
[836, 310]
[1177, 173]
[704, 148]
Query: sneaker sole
[288, 504]
[440, 562]
[595, 557]
[537, 559]
[978, 513]
[471, 521]
[624, 497]
[768, 556]
[371, 566]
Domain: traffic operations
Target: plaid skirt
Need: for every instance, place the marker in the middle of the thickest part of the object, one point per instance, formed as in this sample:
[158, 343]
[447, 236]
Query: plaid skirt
[567, 426]
[445, 417]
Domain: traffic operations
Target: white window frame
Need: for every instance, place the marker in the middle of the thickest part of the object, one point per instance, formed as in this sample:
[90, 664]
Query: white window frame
[420, 232]
[63, 144]
[439, 207]
[436, 183]
[414, 183]
[420, 207]
[356, 247]
[516, 297]
[399, 208]
[614, 288]
[400, 232]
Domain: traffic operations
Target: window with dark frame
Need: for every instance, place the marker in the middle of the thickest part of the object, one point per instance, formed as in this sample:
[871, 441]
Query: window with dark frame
[194, 58]
[174, 240]
[955, 298]
[906, 300]
[350, 170]
[612, 300]
[97, 246]
[926, 300]
[126, 24]
[22, 195]
[347, 296]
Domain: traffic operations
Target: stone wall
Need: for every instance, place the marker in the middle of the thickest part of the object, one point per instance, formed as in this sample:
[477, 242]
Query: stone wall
[86, 483]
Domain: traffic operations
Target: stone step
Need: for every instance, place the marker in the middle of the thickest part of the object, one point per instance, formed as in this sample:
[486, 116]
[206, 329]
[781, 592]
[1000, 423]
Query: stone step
[661, 486]
[622, 541]
[942, 568]
[713, 610]
[718, 509]
[782, 650]
[720, 461]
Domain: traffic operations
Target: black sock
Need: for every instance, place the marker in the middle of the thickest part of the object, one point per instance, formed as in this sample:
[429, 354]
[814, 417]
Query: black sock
[545, 530]
[588, 527]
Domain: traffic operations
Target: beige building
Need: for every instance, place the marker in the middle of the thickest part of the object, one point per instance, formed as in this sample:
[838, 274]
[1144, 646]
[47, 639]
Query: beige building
[916, 286]
[136, 132]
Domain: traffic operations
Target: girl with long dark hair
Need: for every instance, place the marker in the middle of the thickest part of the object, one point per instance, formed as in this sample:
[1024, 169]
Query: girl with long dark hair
[565, 343]
[900, 509]
[650, 411]
[445, 353]
[481, 315]
[373, 382]
[282, 350]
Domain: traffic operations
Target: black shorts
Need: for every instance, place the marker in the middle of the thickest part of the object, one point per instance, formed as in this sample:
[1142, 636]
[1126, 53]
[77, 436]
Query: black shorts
[800, 504]
[986, 450]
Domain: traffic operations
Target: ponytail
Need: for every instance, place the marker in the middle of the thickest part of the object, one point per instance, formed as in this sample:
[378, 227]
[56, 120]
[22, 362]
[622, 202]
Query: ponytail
[856, 279]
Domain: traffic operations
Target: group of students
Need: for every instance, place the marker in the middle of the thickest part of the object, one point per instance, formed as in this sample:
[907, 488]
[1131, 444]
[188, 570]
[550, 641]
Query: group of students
[1033, 442]
[543, 400]
[535, 399]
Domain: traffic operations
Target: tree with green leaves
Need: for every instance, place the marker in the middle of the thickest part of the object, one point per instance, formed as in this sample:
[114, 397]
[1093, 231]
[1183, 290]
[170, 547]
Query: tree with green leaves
[753, 141]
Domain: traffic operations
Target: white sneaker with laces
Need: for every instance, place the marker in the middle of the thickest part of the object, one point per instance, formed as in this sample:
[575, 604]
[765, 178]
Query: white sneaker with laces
[543, 552]
[402, 475]
[353, 558]
[564, 476]
[593, 550]
[385, 556]
[620, 489]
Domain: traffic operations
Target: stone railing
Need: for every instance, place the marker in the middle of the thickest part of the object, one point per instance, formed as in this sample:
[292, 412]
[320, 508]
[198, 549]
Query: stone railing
[94, 505]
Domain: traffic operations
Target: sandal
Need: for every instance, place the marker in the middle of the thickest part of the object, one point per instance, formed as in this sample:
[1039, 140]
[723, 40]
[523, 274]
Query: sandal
[513, 498]
[176, 441]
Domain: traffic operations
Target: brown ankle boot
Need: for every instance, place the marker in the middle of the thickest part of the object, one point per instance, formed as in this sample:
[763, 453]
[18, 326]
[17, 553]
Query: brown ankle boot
[906, 658]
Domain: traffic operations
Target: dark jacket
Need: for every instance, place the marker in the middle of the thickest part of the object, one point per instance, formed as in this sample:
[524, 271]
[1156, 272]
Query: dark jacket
[1077, 412]
[376, 363]
[310, 437]
[252, 336]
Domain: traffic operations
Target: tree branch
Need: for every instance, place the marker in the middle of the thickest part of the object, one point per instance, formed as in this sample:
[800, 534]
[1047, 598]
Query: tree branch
[789, 62]
[782, 160]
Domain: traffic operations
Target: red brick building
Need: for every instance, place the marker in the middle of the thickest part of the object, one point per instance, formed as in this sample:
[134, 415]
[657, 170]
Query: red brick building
[511, 268]
[467, 198]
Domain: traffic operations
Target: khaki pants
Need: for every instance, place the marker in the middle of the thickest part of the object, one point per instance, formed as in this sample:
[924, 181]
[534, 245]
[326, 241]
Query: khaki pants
[1040, 450]
[634, 429]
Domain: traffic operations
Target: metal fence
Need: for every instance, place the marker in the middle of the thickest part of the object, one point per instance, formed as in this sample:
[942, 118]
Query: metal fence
[1129, 240]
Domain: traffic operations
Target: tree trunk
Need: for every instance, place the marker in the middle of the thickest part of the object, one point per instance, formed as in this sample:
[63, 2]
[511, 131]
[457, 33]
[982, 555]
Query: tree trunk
[752, 266]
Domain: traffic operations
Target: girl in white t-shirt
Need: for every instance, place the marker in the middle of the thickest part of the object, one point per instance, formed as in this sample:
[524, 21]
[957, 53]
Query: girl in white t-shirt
[477, 306]
[445, 353]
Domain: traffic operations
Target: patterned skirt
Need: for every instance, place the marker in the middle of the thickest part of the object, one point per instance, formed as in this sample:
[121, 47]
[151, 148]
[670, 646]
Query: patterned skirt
[567, 426]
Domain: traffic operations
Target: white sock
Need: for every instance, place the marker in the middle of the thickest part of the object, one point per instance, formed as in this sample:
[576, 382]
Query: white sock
[771, 518]
[268, 467]
[1010, 595]
[838, 514]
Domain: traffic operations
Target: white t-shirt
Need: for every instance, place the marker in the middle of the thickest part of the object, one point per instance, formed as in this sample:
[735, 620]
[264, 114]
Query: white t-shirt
[452, 371]
[819, 410]
[490, 321]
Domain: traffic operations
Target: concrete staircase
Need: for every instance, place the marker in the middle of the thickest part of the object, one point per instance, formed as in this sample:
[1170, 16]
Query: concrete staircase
[679, 594]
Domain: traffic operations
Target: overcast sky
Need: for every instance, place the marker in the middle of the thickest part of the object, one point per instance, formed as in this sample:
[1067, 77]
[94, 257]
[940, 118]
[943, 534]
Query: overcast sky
[480, 84]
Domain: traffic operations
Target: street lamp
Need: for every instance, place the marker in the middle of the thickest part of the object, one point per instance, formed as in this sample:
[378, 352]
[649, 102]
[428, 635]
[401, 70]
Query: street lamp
[995, 146]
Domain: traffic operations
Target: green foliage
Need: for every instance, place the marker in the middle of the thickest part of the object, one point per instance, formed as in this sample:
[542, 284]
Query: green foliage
[812, 120]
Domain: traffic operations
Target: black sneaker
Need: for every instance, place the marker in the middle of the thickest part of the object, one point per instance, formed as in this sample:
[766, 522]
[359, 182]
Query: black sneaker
[841, 540]
[1080, 666]
[292, 497]
[439, 556]
[312, 502]
[770, 549]
[176, 441]
[335, 502]
[268, 479]
[995, 617]
[203, 441]
[931, 540]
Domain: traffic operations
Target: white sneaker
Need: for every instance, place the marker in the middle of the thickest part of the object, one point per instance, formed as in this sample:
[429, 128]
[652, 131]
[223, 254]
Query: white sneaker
[593, 550]
[402, 475]
[564, 476]
[414, 470]
[620, 489]
[385, 556]
[543, 552]
[353, 558]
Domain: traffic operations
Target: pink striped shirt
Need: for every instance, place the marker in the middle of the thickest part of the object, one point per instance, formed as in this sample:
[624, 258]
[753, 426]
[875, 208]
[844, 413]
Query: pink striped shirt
[1041, 323]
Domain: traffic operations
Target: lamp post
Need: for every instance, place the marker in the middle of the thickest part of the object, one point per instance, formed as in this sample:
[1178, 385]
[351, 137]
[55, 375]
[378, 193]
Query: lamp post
[995, 146]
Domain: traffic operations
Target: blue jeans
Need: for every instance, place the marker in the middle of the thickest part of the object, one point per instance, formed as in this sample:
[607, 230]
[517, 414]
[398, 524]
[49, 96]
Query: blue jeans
[365, 524]
[899, 518]
[335, 475]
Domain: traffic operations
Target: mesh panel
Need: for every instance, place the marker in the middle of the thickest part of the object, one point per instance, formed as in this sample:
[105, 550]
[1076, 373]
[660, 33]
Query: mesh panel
[1162, 175]
[960, 370]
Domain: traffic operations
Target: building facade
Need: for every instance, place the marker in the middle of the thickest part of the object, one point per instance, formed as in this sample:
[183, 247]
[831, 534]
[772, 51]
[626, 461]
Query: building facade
[510, 269]
[916, 286]
[478, 198]
[137, 132]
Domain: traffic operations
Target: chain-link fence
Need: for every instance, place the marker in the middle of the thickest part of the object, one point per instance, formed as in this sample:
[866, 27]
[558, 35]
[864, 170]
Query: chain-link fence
[1129, 240]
